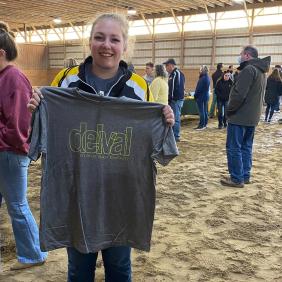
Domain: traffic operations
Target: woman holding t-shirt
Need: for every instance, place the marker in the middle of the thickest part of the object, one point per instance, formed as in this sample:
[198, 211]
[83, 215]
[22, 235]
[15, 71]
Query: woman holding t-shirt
[14, 129]
[105, 74]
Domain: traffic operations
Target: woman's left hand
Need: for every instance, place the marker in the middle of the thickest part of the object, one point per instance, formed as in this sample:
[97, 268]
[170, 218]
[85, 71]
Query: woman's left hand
[169, 115]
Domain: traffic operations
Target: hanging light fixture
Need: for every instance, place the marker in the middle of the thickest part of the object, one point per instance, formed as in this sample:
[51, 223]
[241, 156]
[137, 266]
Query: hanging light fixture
[57, 20]
[131, 11]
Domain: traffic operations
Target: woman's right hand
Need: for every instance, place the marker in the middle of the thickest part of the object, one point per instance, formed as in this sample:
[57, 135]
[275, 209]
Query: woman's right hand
[35, 100]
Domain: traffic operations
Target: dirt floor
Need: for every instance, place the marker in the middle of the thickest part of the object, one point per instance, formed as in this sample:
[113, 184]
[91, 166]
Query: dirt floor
[202, 231]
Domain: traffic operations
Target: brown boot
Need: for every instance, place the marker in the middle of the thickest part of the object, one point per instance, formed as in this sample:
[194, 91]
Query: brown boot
[19, 265]
[227, 181]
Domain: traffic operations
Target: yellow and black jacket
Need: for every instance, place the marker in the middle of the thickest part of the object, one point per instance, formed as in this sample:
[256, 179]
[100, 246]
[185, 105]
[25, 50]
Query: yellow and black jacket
[129, 84]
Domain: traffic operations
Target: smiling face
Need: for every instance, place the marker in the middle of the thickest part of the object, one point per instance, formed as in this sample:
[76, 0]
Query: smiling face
[107, 45]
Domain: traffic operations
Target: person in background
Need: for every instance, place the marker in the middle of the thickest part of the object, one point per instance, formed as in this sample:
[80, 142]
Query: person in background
[215, 77]
[202, 97]
[104, 73]
[149, 72]
[231, 72]
[272, 93]
[222, 90]
[159, 86]
[176, 87]
[277, 106]
[70, 62]
[243, 114]
[14, 132]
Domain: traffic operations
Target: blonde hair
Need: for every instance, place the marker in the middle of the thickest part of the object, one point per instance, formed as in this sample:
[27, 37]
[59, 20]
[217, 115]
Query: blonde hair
[123, 23]
[7, 42]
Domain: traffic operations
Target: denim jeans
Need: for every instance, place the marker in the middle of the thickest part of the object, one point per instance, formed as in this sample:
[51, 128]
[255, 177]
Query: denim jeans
[239, 145]
[13, 187]
[203, 112]
[269, 111]
[117, 264]
[221, 108]
[213, 104]
[0, 200]
[176, 107]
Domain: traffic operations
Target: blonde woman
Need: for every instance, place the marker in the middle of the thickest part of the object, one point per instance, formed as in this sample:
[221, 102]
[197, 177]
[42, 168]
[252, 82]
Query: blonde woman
[159, 86]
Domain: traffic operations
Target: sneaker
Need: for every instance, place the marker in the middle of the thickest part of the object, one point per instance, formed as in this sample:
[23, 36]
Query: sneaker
[201, 128]
[247, 181]
[227, 181]
[19, 265]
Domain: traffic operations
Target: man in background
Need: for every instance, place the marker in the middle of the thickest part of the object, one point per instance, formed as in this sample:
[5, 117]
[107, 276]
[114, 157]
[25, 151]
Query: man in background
[176, 87]
[149, 73]
[243, 114]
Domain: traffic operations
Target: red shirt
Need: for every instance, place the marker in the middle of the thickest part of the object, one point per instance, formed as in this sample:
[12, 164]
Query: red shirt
[15, 92]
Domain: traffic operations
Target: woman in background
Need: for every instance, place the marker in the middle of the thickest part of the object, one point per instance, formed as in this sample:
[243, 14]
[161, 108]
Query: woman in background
[272, 92]
[14, 130]
[159, 86]
[202, 97]
[222, 89]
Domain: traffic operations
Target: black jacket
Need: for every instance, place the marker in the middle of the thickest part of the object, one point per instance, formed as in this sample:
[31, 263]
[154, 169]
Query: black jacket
[246, 96]
[216, 76]
[223, 88]
[273, 90]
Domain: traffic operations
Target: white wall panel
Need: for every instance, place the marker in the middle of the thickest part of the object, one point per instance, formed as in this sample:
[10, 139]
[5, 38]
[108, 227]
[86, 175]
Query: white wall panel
[198, 43]
[56, 56]
[228, 51]
[232, 41]
[56, 49]
[197, 61]
[168, 53]
[232, 60]
[143, 45]
[197, 51]
[168, 44]
[78, 48]
[268, 39]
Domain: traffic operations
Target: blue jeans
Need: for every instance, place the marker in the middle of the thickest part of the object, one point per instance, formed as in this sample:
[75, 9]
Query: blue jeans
[203, 112]
[221, 108]
[13, 187]
[176, 107]
[269, 111]
[117, 264]
[239, 145]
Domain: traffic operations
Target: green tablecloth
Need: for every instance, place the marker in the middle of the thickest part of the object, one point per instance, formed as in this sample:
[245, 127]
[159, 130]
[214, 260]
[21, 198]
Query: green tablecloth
[189, 107]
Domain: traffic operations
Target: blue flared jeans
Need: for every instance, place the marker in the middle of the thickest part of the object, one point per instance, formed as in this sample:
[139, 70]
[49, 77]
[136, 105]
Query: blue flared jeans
[239, 146]
[13, 187]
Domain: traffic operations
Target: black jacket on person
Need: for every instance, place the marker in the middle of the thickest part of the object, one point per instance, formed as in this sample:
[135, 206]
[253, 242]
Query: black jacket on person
[216, 76]
[223, 88]
[273, 90]
[246, 96]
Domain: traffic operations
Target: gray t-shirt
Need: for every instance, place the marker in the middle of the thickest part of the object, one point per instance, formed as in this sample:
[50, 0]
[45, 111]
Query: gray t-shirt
[98, 180]
[102, 86]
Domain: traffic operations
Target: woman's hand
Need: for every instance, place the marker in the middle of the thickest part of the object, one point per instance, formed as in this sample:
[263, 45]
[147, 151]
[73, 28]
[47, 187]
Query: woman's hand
[169, 115]
[35, 100]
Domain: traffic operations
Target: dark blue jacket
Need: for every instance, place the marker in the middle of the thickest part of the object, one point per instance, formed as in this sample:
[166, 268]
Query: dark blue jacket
[176, 85]
[202, 88]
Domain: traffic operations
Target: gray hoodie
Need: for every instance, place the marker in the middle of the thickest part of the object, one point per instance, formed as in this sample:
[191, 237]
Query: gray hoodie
[246, 96]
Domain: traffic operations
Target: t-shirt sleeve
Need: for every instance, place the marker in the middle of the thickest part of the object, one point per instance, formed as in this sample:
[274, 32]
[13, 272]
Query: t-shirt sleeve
[165, 148]
[38, 135]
